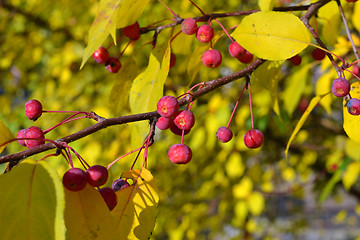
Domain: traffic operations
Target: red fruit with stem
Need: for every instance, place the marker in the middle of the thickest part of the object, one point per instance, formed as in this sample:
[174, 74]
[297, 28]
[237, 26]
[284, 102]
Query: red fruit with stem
[318, 54]
[353, 106]
[113, 65]
[132, 31]
[33, 109]
[21, 134]
[189, 26]
[212, 58]
[74, 179]
[119, 184]
[253, 138]
[101, 55]
[184, 120]
[97, 175]
[205, 33]
[236, 50]
[246, 58]
[109, 196]
[168, 106]
[179, 154]
[295, 60]
[163, 123]
[34, 132]
[172, 60]
[177, 131]
[340, 87]
[224, 134]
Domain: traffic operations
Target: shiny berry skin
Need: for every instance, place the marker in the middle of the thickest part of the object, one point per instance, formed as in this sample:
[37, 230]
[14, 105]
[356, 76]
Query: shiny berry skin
[236, 50]
[184, 120]
[132, 31]
[205, 33]
[353, 106]
[21, 134]
[119, 184]
[168, 106]
[74, 179]
[246, 58]
[163, 123]
[97, 175]
[253, 138]
[295, 60]
[109, 196]
[33, 109]
[179, 154]
[172, 60]
[113, 65]
[340, 87]
[101, 55]
[177, 131]
[224, 134]
[318, 54]
[189, 26]
[34, 132]
[212, 58]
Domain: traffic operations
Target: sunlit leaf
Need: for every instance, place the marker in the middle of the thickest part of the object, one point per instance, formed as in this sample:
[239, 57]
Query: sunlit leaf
[243, 189]
[195, 62]
[136, 211]
[330, 17]
[5, 135]
[272, 35]
[31, 203]
[351, 122]
[323, 86]
[266, 5]
[256, 203]
[129, 11]
[355, 16]
[351, 174]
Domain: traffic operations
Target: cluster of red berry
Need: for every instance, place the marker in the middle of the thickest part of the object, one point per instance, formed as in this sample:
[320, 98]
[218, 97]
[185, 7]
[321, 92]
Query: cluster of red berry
[341, 88]
[317, 54]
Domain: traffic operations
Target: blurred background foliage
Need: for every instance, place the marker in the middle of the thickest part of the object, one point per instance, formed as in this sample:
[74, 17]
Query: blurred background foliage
[227, 191]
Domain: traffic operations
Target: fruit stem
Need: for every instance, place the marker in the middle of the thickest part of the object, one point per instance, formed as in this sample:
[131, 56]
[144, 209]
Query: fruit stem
[125, 49]
[198, 8]
[237, 102]
[117, 40]
[224, 29]
[251, 109]
[108, 167]
[66, 120]
[177, 34]
[172, 12]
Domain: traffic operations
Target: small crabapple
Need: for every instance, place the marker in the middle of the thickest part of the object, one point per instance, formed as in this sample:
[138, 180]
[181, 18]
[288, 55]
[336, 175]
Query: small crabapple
[97, 175]
[101, 55]
[224, 134]
[132, 31]
[74, 179]
[236, 50]
[177, 131]
[253, 138]
[33, 109]
[21, 134]
[246, 58]
[184, 120]
[212, 58]
[340, 87]
[295, 60]
[172, 60]
[318, 54]
[179, 154]
[163, 123]
[167, 106]
[113, 65]
[189, 26]
[34, 132]
[109, 196]
[353, 106]
[205, 33]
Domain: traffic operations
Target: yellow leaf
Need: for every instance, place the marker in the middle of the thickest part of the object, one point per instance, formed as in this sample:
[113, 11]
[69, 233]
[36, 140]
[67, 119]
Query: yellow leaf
[5, 135]
[136, 210]
[266, 5]
[351, 122]
[31, 203]
[130, 11]
[323, 86]
[330, 17]
[340, 216]
[234, 167]
[351, 174]
[256, 203]
[243, 189]
[195, 61]
[352, 149]
[355, 16]
[241, 211]
[272, 35]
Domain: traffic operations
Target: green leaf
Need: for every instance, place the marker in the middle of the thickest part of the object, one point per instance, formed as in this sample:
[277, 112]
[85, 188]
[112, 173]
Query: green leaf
[272, 35]
[5, 135]
[31, 203]
[195, 61]
[352, 123]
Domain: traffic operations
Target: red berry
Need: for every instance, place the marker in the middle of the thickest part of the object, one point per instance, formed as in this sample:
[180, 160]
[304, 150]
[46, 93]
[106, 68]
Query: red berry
[253, 138]
[119, 184]
[21, 134]
[172, 60]
[109, 196]
[189, 26]
[97, 175]
[163, 123]
[295, 60]
[113, 65]
[224, 134]
[355, 69]
[351, 0]
[184, 120]
[246, 58]
[132, 31]
[236, 50]
[205, 33]
[34, 132]
[212, 58]
[101, 55]
[74, 179]
[33, 109]
[318, 54]
[340, 87]
[174, 129]
[353, 106]
[179, 154]
[167, 106]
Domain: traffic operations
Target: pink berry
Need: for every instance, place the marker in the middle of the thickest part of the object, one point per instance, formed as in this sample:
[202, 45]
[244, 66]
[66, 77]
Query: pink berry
[34, 132]
[205, 33]
[246, 58]
[189, 26]
[351, 0]
[132, 31]
[163, 123]
[236, 50]
[21, 134]
[33, 109]
[224, 134]
[97, 175]
[179, 154]
[109, 196]
[113, 65]
[177, 131]
[172, 60]
[340, 87]
[318, 54]
[101, 55]
[167, 106]
[355, 70]
[353, 106]
[253, 138]
[295, 60]
[212, 58]
[119, 184]
[184, 120]
[74, 179]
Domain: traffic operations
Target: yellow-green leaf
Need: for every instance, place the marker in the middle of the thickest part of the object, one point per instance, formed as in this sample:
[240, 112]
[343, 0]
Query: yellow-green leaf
[323, 86]
[136, 210]
[352, 123]
[195, 61]
[272, 35]
[329, 16]
[5, 135]
[355, 16]
[130, 11]
[31, 203]
[256, 203]
[351, 174]
[266, 5]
